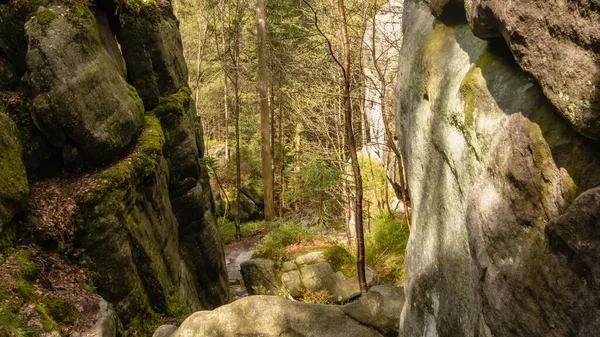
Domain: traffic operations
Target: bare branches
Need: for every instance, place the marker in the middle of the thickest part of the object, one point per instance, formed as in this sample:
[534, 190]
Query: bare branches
[316, 17]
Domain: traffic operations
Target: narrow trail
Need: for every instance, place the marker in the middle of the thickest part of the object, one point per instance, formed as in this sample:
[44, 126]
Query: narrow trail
[236, 253]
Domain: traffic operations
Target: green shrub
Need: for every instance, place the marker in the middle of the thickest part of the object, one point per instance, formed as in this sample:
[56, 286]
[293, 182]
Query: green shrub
[385, 248]
[272, 246]
[227, 228]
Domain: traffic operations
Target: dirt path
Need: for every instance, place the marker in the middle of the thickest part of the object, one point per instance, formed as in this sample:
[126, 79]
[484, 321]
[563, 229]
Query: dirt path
[236, 253]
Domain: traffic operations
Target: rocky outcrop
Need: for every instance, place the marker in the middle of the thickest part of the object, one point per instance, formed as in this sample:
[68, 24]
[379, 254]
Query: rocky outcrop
[558, 44]
[374, 314]
[378, 308]
[272, 316]
[309, 272]
[80, 103]
[129, 231]
[145, 220]
[13, 180]
[494, 172]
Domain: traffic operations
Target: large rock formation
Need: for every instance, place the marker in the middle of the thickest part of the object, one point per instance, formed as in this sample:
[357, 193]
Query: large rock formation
[556, 42]
[373, 315]
[80, 100]
[501, 242]
[144, 220]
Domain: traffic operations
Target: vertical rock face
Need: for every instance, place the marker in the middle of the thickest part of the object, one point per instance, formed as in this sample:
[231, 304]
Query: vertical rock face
[501, 242]
[13, 179]
[146, 223]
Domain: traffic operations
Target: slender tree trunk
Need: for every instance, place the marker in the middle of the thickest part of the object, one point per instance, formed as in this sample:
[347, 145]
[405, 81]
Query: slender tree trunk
[360, 258]
[267, 160]
[281, 151]
[225, 83]
[238, 105]
[298, 141]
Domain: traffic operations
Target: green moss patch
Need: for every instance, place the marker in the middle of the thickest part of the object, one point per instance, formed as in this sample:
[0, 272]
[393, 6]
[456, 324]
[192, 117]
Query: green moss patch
[173, 105]
[44, 18]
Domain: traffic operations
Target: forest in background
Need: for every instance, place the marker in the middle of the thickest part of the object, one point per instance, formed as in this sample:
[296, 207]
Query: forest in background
[312, 179]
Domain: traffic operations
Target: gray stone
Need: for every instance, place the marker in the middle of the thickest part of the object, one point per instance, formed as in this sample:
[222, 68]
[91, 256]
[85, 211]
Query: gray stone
[490, 163]
[80, 98]
[105, 325]
[289, 266]
[259, 276]
[165, 331]
[271, 316]
[378, 308]
[311, 257]
[554, 42]
[320, 276]
[292, 283]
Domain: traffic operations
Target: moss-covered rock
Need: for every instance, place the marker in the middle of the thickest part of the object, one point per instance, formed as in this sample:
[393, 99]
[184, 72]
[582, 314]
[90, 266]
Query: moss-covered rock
[13, 179]
[152, 49]
[81, 100]
[191, 198]
[128, 230]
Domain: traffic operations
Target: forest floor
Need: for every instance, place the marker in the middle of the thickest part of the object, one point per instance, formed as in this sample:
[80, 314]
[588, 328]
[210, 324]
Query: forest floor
[43, 285]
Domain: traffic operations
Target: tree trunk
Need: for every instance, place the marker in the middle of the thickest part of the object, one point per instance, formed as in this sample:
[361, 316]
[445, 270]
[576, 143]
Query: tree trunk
[281, 151]
[360, 256]
[225, 83]
[238, 104]
[267, 160]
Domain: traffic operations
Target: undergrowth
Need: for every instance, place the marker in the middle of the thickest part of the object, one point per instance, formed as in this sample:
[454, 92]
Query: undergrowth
[385, 248]
[249, 229]
[273, 245]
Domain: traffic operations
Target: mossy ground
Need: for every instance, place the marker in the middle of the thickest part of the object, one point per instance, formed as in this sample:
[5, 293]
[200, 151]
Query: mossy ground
[28, 306]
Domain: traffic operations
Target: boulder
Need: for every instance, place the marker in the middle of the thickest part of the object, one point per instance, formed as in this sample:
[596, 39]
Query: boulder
[292, 283]
[250, 190]
[272, 316]
[165, 331]
[557, 43]
[259, 276]
[378, 308]
[311, 257]
[13, 179]
[80, 98]
[105, 325]
[320, 276]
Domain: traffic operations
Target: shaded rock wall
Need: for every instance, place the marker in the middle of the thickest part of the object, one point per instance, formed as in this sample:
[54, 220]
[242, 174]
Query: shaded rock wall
[147, 226]
[496, 175]
[13, 180]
